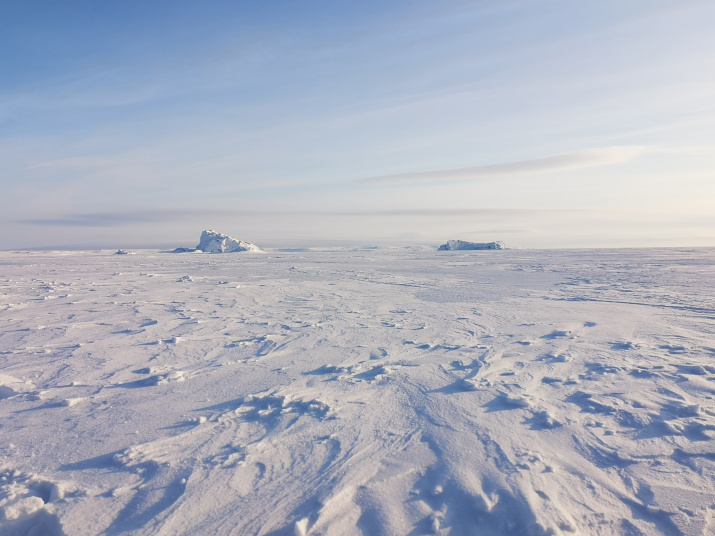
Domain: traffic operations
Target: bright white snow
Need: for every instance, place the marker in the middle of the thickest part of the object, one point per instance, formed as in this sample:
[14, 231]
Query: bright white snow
[463, 245]
[364, 392]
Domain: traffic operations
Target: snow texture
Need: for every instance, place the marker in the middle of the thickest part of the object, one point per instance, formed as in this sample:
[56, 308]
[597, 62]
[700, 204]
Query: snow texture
[453, 245]
[358, 392]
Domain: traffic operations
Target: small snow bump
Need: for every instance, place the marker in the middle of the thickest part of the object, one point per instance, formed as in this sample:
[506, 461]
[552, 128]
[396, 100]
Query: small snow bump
[69, 402]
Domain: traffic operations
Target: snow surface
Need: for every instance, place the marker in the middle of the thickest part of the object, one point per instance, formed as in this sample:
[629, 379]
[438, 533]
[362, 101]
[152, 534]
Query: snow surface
[358, 392]
[463, 245]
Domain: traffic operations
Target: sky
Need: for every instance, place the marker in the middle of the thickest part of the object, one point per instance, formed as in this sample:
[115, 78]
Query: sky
[543, 124]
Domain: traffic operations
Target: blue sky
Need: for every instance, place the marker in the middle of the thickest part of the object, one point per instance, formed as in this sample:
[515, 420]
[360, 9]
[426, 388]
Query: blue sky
[543, 124]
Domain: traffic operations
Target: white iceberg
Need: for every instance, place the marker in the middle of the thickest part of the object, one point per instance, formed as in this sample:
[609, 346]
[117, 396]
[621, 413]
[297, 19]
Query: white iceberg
[213, 242]
[453, 245]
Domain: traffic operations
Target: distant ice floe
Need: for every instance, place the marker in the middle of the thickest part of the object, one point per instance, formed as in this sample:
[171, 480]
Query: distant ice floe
[453, 245]
[122, 252]
[213, 242]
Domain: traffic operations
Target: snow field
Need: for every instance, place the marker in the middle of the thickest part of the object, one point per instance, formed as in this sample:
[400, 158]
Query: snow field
[371, 392]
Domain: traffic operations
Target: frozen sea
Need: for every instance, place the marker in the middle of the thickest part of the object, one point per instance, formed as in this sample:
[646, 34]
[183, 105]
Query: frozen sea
[364, 392]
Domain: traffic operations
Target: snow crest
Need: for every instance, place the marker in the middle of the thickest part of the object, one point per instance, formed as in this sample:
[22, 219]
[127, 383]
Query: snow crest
[463, 245]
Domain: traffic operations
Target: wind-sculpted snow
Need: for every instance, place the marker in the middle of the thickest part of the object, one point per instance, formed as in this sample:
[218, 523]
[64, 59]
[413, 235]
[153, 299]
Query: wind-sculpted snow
[358, 393]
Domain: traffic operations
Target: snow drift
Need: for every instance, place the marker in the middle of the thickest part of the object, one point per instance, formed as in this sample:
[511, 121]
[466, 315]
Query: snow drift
[462, 245]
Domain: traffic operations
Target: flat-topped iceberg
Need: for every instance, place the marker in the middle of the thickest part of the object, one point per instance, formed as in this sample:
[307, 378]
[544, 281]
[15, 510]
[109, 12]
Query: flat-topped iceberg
[453, 245]
[213, 242]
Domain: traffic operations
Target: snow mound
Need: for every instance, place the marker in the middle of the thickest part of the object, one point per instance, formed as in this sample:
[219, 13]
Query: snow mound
[27, 503]
[10, 386]
[462, 245]
[213, 242]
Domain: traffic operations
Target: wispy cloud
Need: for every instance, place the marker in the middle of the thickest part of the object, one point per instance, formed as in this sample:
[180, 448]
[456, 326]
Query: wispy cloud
[98, 220]
[117, 219]
[535, 166]
[74, 163]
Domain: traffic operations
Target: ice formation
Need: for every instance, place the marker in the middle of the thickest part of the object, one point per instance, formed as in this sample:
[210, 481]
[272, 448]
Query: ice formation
[213, 242]
[461, 244]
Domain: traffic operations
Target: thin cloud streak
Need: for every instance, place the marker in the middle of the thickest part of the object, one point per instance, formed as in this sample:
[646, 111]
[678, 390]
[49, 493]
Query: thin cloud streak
[96, 220]
[535, 166]
[116, 219]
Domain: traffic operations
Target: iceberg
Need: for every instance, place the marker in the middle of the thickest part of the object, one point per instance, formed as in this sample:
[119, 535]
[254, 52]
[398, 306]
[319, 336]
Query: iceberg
[213, 242]
[453, 245]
